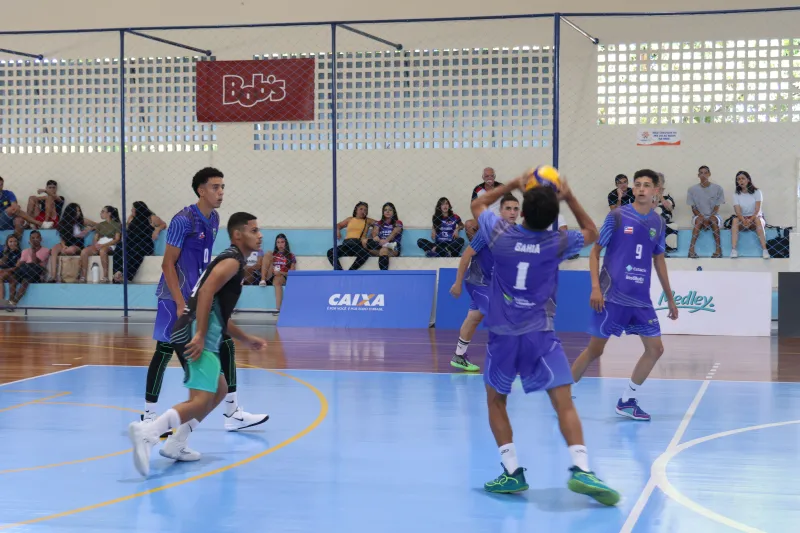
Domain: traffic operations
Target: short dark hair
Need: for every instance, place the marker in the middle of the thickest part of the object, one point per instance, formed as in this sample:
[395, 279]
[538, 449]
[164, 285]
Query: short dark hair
[51, 182]
[647, 173]
[237, 221]
[202, 177]
[36, 231]
[619, 178]
[540, 207]
[704, 167]
[508, 197]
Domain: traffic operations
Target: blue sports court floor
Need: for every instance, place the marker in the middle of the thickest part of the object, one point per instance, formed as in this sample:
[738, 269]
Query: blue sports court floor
[389, 452]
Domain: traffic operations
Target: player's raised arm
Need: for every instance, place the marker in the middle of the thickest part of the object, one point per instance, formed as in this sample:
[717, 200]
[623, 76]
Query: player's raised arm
[587, 225]
[217, 277]
[482, 203]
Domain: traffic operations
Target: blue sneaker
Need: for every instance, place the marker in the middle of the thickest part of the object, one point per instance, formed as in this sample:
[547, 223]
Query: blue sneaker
[589, 484]
[507, 483]
[630, 409]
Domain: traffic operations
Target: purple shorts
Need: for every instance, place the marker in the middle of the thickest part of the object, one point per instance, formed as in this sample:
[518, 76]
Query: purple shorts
[478, 298]
[615, 319]
[537, 357]
[165, 320]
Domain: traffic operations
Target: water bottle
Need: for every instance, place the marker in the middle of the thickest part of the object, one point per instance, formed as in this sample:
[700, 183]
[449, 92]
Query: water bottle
[95, 273]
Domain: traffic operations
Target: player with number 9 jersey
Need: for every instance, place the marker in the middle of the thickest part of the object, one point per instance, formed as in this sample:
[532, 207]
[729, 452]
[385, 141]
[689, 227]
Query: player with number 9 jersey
[194, 233]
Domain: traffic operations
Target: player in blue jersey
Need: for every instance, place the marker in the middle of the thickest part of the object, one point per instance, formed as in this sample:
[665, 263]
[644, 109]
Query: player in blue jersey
[633, 237]
[477, 264]
[520, 321]
[190, 241]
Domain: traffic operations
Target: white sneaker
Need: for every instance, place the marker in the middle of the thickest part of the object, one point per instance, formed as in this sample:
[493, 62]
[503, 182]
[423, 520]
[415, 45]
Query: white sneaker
[242, 420]
[178, 451]
[149, 416]
[143, 440]
[734, 254]
[765, 254]
[391, 245]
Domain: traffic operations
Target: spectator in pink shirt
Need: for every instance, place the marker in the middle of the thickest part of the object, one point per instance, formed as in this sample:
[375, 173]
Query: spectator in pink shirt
[30, 268]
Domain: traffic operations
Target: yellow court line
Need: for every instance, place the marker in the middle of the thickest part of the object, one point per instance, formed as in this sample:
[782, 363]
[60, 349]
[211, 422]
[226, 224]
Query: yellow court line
[323, 412]
[23, 391]
[98, 405]
[17, 406]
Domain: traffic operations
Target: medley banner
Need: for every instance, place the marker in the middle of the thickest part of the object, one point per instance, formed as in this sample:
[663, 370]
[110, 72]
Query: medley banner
[255, 91]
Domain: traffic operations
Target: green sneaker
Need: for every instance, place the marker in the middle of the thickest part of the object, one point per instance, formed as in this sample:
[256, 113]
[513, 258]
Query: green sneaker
[461, 361]
[587, 483]
[507, 484]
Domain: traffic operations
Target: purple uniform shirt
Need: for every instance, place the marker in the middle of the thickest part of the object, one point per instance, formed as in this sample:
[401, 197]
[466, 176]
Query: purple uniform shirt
[448, 227]
[194, 234]
[525, 274]
[479, 272]
[631, 240]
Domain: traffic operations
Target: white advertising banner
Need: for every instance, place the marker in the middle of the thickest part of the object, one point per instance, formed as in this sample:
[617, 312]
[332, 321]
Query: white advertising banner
[716, 303]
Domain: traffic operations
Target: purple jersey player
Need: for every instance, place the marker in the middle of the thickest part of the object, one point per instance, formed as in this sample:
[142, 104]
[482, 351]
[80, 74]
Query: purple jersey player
[633, 236]
[520, 322]
[477, 264]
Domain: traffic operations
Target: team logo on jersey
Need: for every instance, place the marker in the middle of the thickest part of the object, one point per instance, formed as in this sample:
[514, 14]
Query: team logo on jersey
[652, 233]
[629, 230]
[201, 236]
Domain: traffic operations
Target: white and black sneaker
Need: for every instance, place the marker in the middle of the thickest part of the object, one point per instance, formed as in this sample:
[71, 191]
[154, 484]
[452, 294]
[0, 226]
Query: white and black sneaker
[178, 451]
[242, 420]
[143, 439]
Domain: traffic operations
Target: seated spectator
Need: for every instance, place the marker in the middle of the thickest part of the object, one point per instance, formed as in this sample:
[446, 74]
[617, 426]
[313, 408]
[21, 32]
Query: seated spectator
[144, 227]
[8, 264]
[277, 265]
[355, 240]
[705, 199]
[30, 269]
[386, 237]
[47, 207]
[488, 184]
[10, 213]
[446, 226]
[747, 204]
[622, 195]
[72, 228]
[106, 236]
[665, 206]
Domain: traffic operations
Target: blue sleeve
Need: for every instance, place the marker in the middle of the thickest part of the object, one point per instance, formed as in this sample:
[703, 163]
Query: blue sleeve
[486, 224]
[11, 197]
[179, 228]
[607, 229]
[573, 245]
[661, 243]
[477, 243]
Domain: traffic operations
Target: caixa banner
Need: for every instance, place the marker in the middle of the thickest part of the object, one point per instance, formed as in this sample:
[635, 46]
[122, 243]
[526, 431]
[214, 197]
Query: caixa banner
[354, 299]
[255, 91]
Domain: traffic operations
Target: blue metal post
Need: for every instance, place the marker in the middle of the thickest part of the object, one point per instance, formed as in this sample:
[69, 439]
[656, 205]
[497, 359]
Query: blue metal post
[334, 145]
[122, 172]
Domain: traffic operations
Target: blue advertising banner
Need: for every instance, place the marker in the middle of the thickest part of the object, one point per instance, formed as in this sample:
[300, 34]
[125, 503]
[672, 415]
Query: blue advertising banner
[573, 312]
[355, 299]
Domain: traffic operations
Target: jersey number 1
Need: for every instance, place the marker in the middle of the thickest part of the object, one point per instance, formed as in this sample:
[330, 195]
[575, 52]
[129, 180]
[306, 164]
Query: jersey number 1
[522, 275]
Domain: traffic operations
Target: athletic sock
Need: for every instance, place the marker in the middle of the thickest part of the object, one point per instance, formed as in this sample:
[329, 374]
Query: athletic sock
[630, 391]
[461, 347]
[508, 456]
[580, 457]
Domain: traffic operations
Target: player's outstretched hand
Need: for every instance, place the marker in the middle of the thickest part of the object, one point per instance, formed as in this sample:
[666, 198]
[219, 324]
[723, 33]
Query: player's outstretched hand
[596, 300]
[455, 290]
[564, 190]
[673, 310]
[256, 343]
[194, 348]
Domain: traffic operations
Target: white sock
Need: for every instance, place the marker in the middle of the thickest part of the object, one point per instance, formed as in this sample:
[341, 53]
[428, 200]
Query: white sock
[184, 430]
[461, 347]
[508, 455]
[170, 419]
[231, 403]
[630, 391]
[580, 457]
[150, 407]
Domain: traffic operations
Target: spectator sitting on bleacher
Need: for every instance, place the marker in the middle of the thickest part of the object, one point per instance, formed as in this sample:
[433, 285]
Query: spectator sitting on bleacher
[488, 184]
[665, 206]
[386, 237]
[355, 240]
[622, 194]
[46, 208]
[705, 199]
[10, 213]
[30, 269]
[72, 228]
[144, 227]
[277, 265]
[446, 226]
[8, 264]
[106, 236]
[747, 204]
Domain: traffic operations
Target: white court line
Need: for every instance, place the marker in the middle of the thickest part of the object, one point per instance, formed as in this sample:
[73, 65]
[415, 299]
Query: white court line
[638, 508]
[39, 376]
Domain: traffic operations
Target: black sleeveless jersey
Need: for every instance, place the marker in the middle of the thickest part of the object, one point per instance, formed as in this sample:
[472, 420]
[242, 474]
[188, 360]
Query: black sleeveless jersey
[226, 299]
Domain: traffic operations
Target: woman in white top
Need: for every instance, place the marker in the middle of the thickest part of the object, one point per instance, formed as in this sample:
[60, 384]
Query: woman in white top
[747, 205]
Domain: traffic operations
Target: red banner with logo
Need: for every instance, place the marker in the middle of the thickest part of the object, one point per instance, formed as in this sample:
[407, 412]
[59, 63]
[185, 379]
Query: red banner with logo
[255, 91]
